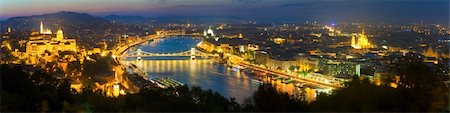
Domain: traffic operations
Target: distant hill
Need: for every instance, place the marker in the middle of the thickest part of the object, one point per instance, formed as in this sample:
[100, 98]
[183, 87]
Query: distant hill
[76, 25]
[127, 19]
[172, 19]
[198, 19]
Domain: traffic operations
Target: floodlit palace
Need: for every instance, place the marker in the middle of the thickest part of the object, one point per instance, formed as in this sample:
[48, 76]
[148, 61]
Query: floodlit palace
[44, 40]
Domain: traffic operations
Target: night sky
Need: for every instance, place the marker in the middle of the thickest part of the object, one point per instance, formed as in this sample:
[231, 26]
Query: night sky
[393, 11]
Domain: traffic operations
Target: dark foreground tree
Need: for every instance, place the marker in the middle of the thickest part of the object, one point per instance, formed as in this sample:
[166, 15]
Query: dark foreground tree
[268, 99]
[24, 88]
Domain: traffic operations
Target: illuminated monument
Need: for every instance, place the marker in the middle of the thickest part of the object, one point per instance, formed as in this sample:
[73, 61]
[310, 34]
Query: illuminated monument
[210, 33]
[362, 41]
[44, 31]
[430, 53]
[431, 56]
[46, 41]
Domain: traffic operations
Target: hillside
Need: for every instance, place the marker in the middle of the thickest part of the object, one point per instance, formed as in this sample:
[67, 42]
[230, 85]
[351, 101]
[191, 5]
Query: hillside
[75, 25]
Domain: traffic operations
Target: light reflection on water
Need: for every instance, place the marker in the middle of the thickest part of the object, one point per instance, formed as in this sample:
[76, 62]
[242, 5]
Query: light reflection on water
[201, 72]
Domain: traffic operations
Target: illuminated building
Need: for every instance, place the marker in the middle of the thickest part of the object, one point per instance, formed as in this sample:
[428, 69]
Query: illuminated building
[316, 34]
[6, 35]
[430, 56]
[261, 57]
[253, 47]
[39, 43]
[304, 64]
[44, 31]
[339, 68]
[162, 33]
[279, 40]
[240, 35]
[360, 43]
[430, 53]
[225, 45]
[209, 32]
[242, 48]
[59, 35]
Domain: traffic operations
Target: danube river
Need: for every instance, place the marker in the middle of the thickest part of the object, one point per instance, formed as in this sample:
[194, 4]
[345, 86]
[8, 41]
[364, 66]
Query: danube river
[206, 73]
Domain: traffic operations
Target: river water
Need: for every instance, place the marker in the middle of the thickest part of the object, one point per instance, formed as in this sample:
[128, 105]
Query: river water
[206, 73]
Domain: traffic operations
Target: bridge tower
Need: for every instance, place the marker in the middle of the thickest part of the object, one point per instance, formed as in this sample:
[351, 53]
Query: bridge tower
[192, 53]
[139, 53]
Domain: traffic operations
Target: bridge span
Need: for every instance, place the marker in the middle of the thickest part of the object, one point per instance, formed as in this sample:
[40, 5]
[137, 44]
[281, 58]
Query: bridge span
[190, 53]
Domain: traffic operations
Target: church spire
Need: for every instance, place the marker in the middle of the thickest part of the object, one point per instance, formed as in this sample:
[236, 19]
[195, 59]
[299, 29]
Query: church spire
[41, 28]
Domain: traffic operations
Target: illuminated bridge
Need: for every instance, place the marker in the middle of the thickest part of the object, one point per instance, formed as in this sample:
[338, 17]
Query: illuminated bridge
[190, 53]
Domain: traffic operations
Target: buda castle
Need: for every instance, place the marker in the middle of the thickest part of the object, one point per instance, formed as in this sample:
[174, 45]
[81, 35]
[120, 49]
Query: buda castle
[44, 40]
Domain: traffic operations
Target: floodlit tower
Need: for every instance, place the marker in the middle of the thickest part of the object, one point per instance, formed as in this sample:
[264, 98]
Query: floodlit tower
[41, 28]
[139, 53]
[192, 51]
[59, 35]
[353, 41]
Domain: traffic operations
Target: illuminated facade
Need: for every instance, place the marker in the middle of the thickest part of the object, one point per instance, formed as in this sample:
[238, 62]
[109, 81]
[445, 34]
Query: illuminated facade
[360, 43]
[44, 31]
[279, 40]
[430, 56]
[209, 32]
[45, 41]
[339, 68]
[430, 53]
[304, 64]
[162, 33]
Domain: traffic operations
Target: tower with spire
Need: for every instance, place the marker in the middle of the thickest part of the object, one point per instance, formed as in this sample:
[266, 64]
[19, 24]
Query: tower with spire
[41, 28]
[44, 31]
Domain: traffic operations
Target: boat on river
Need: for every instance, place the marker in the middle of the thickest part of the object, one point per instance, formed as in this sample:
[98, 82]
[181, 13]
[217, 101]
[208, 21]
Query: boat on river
[168, 82]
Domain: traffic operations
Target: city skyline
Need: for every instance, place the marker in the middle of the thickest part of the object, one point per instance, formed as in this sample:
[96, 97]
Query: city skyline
[392, 11]
[224, 56]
